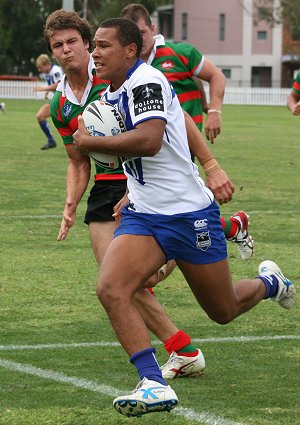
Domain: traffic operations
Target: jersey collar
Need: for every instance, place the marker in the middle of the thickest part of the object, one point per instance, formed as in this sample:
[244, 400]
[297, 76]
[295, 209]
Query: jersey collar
[67, 91]
[159, 41]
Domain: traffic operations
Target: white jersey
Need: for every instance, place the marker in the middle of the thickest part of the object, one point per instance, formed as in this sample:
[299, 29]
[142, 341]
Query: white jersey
[168, 182]
[55, 75]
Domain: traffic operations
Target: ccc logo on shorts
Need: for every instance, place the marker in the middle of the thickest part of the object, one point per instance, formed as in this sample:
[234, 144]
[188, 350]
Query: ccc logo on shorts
[200, 224]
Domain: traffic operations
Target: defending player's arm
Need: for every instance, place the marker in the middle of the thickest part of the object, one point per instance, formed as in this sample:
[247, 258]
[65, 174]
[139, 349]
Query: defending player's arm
[210, 73]
[293, 102]
[216, 178]
[200, 86]
[78, 175]
[78, 171]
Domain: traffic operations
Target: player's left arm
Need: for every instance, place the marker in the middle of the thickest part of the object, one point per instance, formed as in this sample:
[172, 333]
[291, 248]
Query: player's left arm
[216, 79]
[144, 140]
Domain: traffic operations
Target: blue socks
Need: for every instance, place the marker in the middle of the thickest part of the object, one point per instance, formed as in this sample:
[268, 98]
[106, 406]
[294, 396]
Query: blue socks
[147, 366]
[46, 129]
[271, 284]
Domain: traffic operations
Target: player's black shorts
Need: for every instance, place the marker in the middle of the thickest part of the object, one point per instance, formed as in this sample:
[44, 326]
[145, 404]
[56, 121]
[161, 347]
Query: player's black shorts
[103, 197]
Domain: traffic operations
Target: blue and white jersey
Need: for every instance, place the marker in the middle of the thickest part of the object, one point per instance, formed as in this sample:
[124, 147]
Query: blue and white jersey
[168, 182]
[55, 75]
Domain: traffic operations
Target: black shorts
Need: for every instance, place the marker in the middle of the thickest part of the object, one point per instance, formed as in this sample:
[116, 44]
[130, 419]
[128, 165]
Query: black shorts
[103, 197]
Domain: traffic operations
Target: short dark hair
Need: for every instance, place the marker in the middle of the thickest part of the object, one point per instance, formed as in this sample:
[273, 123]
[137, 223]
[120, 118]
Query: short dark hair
[61, 20]
[136, 11]
[127, 32]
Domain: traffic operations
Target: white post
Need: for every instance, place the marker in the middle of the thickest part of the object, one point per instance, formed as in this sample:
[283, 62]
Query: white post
[68, 4]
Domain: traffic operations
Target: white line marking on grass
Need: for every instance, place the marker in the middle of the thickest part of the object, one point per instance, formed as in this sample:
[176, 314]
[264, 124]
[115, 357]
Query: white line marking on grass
[203, 417]
[117, 344]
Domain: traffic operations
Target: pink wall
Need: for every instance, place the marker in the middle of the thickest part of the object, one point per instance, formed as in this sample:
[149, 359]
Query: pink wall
[203, 25]
[260, 47]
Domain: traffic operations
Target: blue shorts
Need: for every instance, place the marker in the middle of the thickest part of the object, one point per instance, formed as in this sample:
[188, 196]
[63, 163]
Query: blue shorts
[195, 237]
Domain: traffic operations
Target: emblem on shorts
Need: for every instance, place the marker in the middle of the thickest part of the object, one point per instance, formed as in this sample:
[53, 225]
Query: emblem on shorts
[200, 224]
[203, 241]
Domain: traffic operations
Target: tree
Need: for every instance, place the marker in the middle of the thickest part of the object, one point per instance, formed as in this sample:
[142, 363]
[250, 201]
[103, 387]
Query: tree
[287, 12]
[22, 22]
[21, 36]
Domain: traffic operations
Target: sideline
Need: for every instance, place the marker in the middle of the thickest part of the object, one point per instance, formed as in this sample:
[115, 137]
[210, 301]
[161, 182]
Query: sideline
[188, 414]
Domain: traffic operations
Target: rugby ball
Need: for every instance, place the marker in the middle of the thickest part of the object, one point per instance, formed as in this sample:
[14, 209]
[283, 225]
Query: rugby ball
[103, 119]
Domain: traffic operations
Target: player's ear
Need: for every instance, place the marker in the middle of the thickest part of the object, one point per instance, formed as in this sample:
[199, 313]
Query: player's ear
[131, 50]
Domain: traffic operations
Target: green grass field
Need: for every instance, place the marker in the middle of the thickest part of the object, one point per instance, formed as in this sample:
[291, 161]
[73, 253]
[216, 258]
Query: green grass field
[59, 360]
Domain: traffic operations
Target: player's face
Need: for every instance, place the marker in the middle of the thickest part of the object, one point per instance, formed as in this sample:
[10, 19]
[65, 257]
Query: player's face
[112, 60]
[148, 40]
[43, 68]
[69, 50]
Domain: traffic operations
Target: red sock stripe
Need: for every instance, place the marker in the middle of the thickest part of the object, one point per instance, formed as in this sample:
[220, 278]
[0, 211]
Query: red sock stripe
[177, 342]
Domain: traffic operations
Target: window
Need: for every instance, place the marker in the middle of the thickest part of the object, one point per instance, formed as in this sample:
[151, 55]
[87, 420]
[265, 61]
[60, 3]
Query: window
[227, 73]
[222, 27]
[295, 34]
[261, 35]
[184, 26]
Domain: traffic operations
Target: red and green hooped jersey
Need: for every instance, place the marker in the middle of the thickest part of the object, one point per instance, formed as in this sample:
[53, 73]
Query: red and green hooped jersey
[296, 85]
[179, 62]
[64, 115]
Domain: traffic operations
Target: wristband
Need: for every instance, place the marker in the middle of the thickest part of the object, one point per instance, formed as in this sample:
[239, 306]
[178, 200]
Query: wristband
[206, 160]
[211, 166]
[214, 110]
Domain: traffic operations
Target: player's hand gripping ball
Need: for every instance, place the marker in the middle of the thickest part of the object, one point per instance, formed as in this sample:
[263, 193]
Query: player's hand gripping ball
[103, 119]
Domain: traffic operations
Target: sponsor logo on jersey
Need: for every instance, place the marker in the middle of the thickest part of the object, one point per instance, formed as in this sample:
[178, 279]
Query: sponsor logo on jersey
[203, 241]
[167, 64]
[67, 109]
[147, 97]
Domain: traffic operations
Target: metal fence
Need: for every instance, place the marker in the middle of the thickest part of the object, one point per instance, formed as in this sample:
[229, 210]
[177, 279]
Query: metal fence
[233, 95]
[20, 89]
[255, 96]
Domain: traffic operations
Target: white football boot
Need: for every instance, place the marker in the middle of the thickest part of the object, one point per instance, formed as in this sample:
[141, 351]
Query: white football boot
[183, 366]
[149, 396]
[244, 241]
[286, 294]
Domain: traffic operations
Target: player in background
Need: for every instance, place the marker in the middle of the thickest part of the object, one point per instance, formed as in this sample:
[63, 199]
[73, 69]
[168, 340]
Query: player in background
[182, 65]
[185, 67]
[293, 100]
[52, 73]
[181, 221]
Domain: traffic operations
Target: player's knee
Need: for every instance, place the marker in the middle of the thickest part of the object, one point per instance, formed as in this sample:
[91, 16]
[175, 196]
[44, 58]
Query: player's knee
[222, 317]
[109, 294]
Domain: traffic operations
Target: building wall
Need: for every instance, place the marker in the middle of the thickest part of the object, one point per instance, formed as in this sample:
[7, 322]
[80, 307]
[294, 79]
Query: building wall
[203, 25]
[241, 53]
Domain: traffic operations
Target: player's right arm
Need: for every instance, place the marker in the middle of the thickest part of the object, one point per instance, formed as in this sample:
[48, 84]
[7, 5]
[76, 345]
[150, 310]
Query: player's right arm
[78, 175]
[293, 102]
[78, 169]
